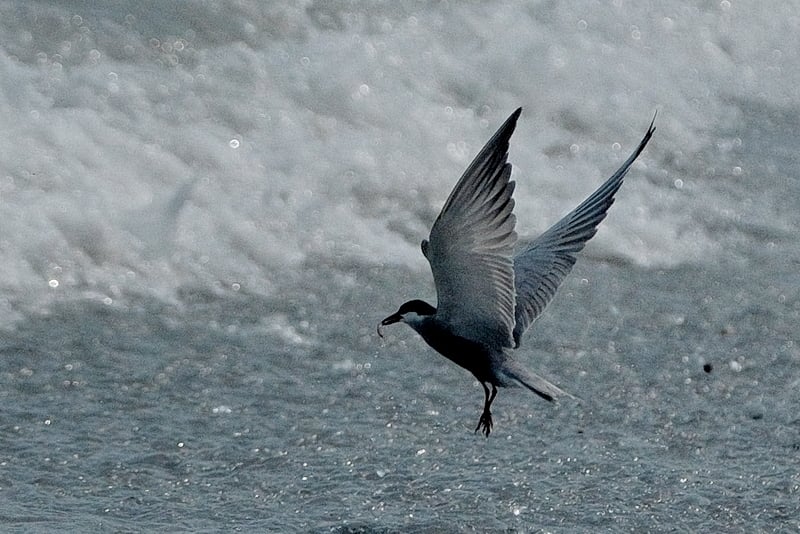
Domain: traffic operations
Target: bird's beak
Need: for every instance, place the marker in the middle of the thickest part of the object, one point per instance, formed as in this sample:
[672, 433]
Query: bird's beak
[394, 318]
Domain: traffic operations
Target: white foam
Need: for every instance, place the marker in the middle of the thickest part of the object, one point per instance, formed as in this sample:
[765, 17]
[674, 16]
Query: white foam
[207, 146]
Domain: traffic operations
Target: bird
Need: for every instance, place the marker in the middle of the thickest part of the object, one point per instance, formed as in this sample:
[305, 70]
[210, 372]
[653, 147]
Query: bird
[491, 286]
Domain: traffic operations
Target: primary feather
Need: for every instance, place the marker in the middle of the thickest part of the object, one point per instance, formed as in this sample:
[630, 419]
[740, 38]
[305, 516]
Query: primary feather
[471, 245]
[541, 266]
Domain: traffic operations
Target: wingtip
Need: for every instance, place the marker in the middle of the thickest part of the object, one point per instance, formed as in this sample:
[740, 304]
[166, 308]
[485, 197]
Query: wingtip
[652, 127]
[646, 139]
[503, 134]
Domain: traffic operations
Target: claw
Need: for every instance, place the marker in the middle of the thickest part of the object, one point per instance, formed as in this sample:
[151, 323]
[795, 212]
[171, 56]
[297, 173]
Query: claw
[485, 423]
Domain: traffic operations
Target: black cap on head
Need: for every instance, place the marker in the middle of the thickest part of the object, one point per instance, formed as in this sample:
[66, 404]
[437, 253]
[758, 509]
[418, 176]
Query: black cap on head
[420, 307]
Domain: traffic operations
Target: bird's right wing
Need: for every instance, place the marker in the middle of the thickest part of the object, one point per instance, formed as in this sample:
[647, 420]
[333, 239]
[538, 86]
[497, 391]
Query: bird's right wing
[541, 266]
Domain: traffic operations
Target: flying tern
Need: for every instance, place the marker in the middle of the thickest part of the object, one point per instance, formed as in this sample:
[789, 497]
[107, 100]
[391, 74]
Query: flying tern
[490, 288]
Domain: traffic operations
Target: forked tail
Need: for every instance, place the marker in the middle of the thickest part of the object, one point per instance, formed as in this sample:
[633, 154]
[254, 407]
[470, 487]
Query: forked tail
[518, 374]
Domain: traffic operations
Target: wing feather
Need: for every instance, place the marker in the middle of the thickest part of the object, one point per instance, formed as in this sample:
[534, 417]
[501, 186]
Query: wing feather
[471, 246]
[541, 266]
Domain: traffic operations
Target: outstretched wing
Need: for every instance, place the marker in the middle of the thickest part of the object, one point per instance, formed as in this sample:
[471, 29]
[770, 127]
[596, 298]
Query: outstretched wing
[471, 245]
[541, 266]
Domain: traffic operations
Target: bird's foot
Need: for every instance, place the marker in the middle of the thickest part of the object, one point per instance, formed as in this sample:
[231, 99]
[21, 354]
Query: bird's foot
[485, 423]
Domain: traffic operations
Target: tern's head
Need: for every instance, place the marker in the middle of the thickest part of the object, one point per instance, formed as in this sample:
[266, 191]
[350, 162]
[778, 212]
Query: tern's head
[410, 312]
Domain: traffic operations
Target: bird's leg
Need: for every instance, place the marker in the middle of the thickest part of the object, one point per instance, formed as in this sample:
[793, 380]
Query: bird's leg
[485, 421]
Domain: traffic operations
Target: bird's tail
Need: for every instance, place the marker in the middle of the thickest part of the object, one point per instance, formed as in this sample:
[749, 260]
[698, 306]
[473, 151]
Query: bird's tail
[516, 373]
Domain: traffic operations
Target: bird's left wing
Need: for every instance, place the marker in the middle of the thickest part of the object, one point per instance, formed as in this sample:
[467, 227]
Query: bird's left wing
[541, 266]
[471, 245]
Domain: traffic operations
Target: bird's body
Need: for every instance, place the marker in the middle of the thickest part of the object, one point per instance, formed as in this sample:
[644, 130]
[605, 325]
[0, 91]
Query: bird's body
[475, 357]
[488, 292]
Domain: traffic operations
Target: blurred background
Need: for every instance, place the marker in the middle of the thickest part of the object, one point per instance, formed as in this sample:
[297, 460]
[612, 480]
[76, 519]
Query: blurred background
[207, 207]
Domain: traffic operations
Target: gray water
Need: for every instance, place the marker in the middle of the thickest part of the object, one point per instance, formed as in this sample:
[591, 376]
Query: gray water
[207, 208]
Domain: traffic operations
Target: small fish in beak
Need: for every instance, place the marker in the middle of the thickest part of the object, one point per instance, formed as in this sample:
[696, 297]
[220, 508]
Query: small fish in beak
[394, 318]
